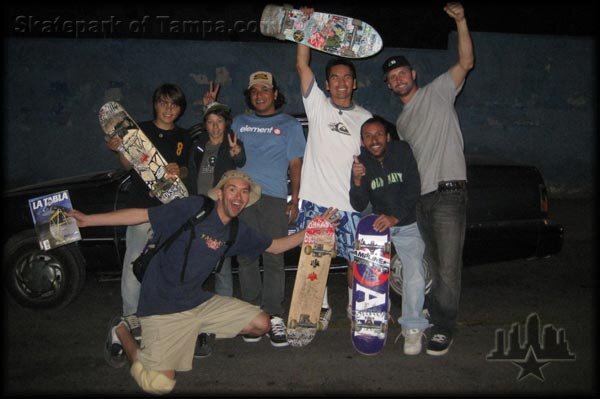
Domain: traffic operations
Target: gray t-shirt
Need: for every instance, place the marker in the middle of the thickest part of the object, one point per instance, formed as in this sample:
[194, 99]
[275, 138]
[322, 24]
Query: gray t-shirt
[429, 123]
[207, 168]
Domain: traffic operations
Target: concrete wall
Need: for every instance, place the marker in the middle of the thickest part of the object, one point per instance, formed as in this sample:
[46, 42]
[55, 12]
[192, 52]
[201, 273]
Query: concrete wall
[530, 99]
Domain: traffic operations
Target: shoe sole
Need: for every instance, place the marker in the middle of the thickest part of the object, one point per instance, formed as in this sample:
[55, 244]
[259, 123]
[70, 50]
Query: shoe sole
[439, 353]
[251, 340]
[410, 353]
[113, 361]
[280, 344]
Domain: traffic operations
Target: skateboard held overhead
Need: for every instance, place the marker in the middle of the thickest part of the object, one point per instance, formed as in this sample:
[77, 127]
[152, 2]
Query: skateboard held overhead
[140, 152]
[317, 250]
[330, 33]
[370, 287]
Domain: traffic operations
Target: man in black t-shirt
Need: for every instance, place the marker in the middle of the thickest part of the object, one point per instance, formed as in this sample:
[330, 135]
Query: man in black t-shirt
[174, 144]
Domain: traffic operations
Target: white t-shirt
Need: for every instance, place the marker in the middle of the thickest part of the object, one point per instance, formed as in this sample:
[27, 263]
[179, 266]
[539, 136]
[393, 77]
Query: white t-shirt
[333, 139]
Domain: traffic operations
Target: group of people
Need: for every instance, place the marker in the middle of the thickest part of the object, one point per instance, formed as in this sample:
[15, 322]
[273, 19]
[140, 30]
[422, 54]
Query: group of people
[416, 185]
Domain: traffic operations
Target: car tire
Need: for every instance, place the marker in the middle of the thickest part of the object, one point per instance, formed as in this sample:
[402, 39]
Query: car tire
[42, 280]
[396, 276]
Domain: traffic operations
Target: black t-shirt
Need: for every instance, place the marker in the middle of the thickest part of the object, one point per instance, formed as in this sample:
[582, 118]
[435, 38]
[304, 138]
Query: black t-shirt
[174, 145]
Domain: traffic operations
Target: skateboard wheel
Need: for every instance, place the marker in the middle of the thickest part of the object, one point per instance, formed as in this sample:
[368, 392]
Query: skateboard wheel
[387, 248]
[308, 250]
[292, 324]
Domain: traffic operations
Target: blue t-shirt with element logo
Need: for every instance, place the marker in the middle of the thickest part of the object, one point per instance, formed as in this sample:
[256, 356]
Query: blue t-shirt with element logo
[271, 142]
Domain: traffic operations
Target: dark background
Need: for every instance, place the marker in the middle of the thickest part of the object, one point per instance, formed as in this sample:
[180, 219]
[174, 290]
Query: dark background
[416, 24]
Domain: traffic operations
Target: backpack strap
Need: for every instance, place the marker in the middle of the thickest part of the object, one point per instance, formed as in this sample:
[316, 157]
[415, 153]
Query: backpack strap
[234, 225]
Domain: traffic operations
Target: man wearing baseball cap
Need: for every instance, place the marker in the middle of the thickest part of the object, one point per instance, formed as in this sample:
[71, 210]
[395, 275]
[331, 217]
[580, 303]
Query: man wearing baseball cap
[173, 306]
[429, 123]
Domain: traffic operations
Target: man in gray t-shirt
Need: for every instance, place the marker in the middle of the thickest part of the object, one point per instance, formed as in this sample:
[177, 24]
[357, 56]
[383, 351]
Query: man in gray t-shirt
[429, 123]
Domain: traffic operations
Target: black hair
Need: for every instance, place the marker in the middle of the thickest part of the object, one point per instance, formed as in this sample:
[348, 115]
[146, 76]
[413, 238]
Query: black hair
[223, 113]
[279, 100]
[387, 126]
[339, 61]
[172, 92]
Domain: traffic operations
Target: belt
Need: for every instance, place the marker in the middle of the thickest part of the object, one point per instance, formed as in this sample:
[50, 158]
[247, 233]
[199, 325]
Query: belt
[452, 185]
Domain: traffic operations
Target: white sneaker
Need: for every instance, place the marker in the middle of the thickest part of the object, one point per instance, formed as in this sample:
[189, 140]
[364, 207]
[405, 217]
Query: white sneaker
[324, 319]
[412, 341]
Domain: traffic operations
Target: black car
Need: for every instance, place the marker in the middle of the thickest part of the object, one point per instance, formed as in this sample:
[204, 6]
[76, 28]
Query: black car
[507, 218]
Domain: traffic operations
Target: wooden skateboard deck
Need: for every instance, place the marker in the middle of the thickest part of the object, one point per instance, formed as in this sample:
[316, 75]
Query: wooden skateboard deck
[330, 33]
[370, 287]
[318, 248]
[140, 152]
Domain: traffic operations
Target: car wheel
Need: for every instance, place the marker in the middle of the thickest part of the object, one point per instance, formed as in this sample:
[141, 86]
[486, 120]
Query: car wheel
[396, 276]
[40, 279]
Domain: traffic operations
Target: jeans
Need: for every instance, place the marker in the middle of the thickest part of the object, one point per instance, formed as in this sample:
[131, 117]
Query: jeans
[268, 217]
[441, 217]
[224, 279]
[410, 248]
[136, 238]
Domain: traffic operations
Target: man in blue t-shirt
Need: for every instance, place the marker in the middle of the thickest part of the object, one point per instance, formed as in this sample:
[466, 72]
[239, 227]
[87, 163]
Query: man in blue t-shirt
[274, 143]
[173, 306]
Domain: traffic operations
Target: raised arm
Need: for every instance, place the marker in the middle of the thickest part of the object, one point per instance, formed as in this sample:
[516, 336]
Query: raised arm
[466, 57]
[303, 61]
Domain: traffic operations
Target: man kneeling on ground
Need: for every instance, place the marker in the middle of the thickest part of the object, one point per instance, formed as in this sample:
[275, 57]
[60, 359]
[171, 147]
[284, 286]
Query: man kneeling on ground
[173, 307]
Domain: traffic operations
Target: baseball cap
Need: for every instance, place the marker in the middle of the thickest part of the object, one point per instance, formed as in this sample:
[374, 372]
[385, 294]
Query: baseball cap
[216, 107]
[262, 78]
[395, 62]
[255, 189]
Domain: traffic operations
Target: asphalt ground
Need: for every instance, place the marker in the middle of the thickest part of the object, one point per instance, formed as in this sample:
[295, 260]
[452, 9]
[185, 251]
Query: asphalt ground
[60, 352]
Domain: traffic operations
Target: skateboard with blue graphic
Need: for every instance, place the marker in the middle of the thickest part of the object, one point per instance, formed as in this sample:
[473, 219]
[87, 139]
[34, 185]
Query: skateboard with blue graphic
[318, 248]
[370, 287]
[330, 33]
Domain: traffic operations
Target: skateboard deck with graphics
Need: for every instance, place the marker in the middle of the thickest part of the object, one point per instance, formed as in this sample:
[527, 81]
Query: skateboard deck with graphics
[140, 152]
[318, 248]
[370, 287]
[330, 33]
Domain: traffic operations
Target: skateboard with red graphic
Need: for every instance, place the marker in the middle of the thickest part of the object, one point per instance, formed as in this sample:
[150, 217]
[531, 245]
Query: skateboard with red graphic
[330, 33]
[370, 287]
[318, 248]
[140, 152]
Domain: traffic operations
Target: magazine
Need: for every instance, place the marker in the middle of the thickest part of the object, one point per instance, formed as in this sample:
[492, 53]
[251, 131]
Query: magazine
[52, 226]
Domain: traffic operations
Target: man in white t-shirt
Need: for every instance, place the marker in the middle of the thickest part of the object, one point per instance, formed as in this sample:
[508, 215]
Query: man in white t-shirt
[334, 138]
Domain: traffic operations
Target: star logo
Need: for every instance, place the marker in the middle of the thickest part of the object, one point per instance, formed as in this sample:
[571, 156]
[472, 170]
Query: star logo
[531, 365]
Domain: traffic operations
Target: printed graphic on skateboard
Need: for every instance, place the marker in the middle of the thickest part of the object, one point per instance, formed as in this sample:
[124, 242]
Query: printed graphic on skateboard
[140, 152]
[330, 33]
[370, 287]
[318, 248]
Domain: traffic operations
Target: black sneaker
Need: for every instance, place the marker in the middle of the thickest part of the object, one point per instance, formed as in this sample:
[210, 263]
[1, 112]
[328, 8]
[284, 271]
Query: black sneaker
[113, 350]
[277, 333]
[439, 344]
[204, 345]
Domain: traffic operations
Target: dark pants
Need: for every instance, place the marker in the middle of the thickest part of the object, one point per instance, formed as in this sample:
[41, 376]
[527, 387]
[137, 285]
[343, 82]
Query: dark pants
[267, 216]
[441, 217]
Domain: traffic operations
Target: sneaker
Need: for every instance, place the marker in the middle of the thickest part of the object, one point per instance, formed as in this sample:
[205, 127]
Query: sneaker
[277, 333]
[439, 344]
[204, 345]
[251, 338]
[412, 341]
[324, 319]
[113, 350]
[134, 326]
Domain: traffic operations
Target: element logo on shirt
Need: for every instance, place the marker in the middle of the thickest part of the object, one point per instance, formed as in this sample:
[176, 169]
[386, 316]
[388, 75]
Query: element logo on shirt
[339, 127]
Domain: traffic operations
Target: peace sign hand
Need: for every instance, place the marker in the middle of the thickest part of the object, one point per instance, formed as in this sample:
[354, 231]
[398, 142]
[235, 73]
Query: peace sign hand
[211, 95]
[234, 147]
